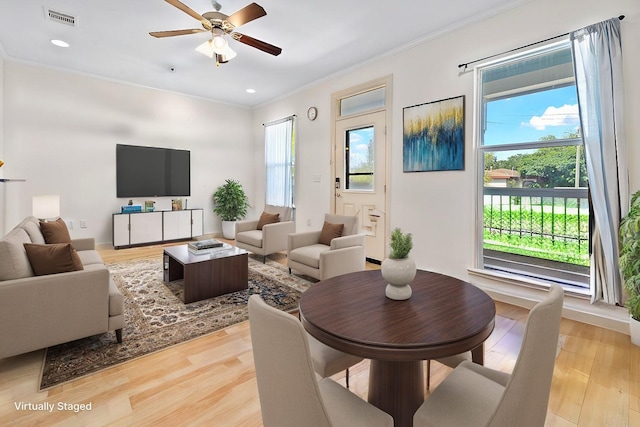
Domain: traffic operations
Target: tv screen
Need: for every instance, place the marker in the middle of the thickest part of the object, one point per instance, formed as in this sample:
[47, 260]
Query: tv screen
[152, 172]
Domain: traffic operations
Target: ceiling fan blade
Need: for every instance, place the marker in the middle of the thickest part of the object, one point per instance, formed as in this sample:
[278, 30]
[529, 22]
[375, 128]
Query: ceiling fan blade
[258, 44]
[176, 32]
[246, 14]
[186, 9]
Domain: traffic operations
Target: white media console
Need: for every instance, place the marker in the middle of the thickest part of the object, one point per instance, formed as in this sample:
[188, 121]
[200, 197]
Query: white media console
[143, 228]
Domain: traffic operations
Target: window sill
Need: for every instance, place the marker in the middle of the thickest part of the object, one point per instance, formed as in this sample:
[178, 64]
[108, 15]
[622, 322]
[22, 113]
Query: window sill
[526, 292]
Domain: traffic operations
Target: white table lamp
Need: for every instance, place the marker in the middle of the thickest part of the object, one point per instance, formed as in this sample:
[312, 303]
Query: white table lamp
[46, 207]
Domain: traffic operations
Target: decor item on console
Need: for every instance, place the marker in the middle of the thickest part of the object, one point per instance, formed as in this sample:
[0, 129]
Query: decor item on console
[176, 204]
[230, 203]
[629, 235]
[149, 206]
[399, 270]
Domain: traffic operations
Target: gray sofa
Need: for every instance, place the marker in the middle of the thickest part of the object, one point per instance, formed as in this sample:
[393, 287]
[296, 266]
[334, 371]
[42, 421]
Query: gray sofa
[42, 311]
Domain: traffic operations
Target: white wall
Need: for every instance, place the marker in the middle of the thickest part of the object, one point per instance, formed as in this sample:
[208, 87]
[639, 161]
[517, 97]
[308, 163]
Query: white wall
[61, 130]
[438, 207]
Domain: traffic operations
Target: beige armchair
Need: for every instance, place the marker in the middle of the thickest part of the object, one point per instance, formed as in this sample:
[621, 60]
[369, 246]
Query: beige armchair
[291, 393]
[311, 253]
[269, 238]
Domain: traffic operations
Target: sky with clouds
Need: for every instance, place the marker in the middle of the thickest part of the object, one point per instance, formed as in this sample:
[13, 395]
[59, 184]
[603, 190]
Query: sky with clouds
[527, 118]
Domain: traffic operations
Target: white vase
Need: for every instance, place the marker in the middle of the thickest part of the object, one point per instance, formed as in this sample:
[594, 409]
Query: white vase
[229, 229]
[398, 273]
[634, 331]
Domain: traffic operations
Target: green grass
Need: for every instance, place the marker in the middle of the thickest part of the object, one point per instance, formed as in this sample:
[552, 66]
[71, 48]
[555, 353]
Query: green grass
[538, 233]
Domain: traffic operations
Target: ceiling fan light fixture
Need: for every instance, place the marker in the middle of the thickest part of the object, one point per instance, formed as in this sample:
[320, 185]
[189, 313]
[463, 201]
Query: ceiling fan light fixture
[219, 44]
[206, 48]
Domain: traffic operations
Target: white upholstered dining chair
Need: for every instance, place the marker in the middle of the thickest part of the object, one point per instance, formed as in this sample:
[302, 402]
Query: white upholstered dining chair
[474, 395]
[291, 393]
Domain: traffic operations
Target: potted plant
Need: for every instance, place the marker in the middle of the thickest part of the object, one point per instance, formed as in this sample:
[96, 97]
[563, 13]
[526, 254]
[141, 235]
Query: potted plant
[399, 270]
[230, 203]
[629, 234]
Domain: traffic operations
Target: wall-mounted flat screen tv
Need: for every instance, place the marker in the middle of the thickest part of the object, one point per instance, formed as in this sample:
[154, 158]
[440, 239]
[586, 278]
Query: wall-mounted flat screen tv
[152, 172]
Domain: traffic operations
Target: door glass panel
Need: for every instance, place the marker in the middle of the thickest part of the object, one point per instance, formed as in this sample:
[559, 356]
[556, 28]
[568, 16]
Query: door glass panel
[359, 155]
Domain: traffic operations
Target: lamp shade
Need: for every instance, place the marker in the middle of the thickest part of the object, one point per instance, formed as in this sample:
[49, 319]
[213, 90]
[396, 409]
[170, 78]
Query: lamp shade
[45, 207]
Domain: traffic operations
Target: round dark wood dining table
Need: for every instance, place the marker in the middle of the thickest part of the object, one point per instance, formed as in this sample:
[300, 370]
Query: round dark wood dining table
[443, 317]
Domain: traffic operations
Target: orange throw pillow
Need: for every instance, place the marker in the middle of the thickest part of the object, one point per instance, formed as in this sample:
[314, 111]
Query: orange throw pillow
[52, 259]
[330, 232]
[267, 218]
[55, 231]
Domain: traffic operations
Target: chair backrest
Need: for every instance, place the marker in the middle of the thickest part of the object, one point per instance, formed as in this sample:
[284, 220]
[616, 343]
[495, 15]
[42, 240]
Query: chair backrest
[287, 386]
[285, 212]
[526, 396]
[350, 223]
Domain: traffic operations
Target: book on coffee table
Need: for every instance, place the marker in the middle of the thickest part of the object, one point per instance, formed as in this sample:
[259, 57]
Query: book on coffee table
[205, 244]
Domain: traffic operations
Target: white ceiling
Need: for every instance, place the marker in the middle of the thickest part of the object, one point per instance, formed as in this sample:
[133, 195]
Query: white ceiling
[318, 38]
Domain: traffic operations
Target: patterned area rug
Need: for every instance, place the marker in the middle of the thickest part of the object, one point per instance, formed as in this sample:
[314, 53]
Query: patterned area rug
[156, 317]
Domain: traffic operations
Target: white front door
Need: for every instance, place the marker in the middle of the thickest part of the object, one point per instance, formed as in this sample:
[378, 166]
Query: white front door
[360, 176]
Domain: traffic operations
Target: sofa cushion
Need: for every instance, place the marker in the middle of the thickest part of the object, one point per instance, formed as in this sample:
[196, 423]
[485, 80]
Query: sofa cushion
[329, 232]
[251, 237]
[32, 226]
[267, 218]
[14, 263]
[90, 257]
[308, 255]
[52, 259]
[55, 231]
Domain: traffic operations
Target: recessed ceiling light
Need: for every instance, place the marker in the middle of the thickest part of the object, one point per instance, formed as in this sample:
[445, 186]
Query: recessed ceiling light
[251, 91]
[59, 43]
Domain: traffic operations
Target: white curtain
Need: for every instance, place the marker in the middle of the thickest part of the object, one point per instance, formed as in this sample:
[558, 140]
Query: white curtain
[597, 54]
[279, 157]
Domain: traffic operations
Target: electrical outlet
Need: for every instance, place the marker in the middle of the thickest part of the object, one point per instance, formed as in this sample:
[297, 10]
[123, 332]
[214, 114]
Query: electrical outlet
[308, 223]
[70, 224]
[83, 223]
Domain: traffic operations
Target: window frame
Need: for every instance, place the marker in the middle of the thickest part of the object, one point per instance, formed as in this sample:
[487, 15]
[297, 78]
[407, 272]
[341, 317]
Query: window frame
[480, 150]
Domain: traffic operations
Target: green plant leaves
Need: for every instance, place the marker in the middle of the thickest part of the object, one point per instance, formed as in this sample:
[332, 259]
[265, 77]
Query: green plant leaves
[401, 244]
[230, 201]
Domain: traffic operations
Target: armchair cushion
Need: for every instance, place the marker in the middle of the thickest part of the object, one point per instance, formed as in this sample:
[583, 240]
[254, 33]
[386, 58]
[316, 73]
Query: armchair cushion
[309, 255]
[53, 258]
[55, 231]
[329, 232]
[267, 218]
[251, 237]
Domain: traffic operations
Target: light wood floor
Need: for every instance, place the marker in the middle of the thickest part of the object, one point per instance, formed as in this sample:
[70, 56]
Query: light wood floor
[210, 381]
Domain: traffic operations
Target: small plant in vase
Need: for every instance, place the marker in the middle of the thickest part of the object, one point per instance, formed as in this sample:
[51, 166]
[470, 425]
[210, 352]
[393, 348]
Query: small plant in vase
[399, 270]
[230, 203]
[629, 235]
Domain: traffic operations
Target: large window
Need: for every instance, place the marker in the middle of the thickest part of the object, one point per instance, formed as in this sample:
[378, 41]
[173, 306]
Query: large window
[279, 147]
[534, 205]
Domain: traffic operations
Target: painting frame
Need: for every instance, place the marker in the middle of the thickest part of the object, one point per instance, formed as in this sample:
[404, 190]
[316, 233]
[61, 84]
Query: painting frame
[433, 136]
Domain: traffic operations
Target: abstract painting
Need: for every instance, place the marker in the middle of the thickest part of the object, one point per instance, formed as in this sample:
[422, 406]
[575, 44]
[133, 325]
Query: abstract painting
[433, 136]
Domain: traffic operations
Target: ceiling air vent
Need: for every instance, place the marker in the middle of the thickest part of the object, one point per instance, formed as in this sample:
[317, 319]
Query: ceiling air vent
[60, 17]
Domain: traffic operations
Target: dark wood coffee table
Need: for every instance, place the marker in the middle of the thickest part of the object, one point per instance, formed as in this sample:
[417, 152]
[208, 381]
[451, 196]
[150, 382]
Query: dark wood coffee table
[444, 316]
[207, 275]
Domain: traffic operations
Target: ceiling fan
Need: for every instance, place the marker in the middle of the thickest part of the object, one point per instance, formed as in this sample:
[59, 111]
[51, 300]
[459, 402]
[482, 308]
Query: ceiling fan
[220, 26]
